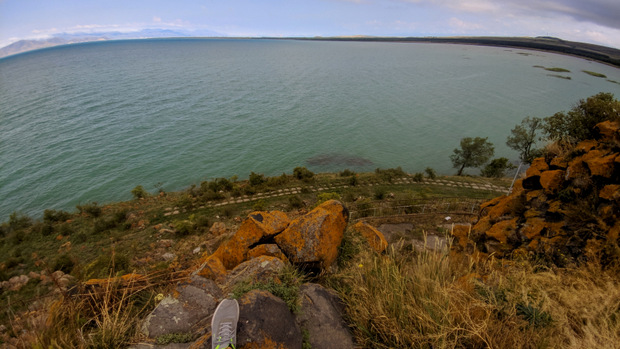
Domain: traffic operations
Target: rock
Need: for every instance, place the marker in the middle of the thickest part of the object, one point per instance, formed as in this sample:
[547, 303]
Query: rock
[17, 282]
[321, 315]
[374, 237]
[610, 192]
[502, 208]
[315, 237]
[211, 268]
[168, 256]
[258, 226]
[186, 312]
[218, 228]
[196, 250]
[259, 269]
[501, 231]
[538, 165]
[552, 181]
[533, 227]
[266, 322]
[600, 165]
[267, 250]
[531, 183]
[609, 130]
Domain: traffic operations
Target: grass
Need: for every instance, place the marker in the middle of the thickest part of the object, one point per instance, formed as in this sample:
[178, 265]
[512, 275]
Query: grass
[560, 76]
[553, 69]
[432, 300]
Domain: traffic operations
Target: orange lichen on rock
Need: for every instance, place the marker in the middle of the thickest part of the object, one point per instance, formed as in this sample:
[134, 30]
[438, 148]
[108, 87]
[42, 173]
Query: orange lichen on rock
[610, 192]
[375, 238]
[599, 164]
[538, 165]
[316, 236]
[257, 226]
[552, 181]
[212, 268]
[502, 230]
[271, 250]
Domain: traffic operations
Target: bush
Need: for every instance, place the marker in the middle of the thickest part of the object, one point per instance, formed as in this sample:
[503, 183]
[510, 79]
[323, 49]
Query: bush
[418, 177]
[64, 263]
[430, 173]
[295, 202]
[260, 205]
[51, 216]
[45, 229]
[184, 227]
[90, 209]
[388, 175]
[277, 181]
[322, 197]
[303, 173]
[364, 208]
[256, 179]
[139, 192]
[346, 173]
[353, 181]
[380, 193]
[497, 168]
[19, 221]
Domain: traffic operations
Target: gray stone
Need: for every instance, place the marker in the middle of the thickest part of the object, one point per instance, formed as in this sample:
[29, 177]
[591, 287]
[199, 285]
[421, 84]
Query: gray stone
[187, 312]
[321, 315]
[261, 268]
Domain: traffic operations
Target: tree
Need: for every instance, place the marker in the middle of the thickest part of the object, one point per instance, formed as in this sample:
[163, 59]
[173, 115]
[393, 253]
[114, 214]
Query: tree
[578, 124]
[474, 152]
[497, 168]
[523, 138]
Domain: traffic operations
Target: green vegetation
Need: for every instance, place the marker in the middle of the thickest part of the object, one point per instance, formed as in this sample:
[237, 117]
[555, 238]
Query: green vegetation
[474, 152]
[497, 168]
[560, 76]
[598, 75]
[523, 138]
[554, 69]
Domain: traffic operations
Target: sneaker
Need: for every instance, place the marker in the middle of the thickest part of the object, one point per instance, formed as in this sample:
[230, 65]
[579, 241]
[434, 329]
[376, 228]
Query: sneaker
[224, 324]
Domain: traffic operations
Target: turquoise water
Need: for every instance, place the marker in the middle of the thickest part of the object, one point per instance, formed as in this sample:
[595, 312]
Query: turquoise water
[89, 122]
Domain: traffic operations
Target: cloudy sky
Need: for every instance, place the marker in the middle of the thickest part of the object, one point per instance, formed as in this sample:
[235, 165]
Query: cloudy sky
[594, 21]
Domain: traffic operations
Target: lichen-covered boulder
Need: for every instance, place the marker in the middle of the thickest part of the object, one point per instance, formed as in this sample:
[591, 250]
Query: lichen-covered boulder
[259, 269]
[315, 237]
[258, 226]
[552, 181]
[211, 268]
[267, 250]
[374, 237]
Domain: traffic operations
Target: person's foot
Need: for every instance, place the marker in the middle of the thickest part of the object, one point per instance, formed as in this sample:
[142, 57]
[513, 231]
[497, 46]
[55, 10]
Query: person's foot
[224, 324]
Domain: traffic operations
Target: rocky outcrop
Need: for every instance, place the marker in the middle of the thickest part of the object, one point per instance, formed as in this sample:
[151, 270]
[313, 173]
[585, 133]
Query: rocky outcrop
[373, 237]
[566, 206]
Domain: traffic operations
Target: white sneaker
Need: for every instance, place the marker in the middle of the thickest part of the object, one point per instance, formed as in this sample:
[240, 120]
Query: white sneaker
[224, 324]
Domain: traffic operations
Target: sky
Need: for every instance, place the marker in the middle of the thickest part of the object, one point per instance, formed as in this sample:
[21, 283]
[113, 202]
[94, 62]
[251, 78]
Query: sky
[593, 21]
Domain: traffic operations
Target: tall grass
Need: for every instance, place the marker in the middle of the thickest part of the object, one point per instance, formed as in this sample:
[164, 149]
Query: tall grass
[406, 299]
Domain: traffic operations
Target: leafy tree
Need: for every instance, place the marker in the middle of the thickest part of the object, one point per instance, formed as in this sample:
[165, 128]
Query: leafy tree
[523, 138]
[474, 152]
[497, 168]
[578, 123]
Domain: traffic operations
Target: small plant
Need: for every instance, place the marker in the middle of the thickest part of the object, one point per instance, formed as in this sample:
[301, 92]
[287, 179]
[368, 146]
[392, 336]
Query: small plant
[380, 193]
[139, 192]
[52, 216]
[184, 227]
[388, 175]
[260, 205]
[430, 173]
[295, 202]
[346, 173]
[418, 177]
[174, 338]
[533, 315]
[303, 174]
[64, 263]
[285, 287]
[256, 179]
[322, 197]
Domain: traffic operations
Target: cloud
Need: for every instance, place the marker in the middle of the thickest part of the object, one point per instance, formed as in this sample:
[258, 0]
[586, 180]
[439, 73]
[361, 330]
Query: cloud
[156, 19]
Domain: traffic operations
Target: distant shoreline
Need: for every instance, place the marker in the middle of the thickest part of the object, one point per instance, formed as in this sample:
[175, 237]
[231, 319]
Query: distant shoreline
[602, 54]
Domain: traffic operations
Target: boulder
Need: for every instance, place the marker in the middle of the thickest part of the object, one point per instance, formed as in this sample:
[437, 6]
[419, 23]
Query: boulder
[259, 269]
[321, 315]
[374, 237]
[610, 192]
[187, 310]
[501, 231]
[266, 322]
[315, 237]
[533, 227]
[538, 165]
[600, 164]
[267, 250]
[211, 268]
[218, 228]
[552, 181]
[608, 130]
[259, 226]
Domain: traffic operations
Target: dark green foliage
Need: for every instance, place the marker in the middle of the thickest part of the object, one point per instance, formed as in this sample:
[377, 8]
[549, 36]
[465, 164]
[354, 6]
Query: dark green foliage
[51, 216]
[364, 207]
[217, 185]
[108, 264]
[90, 208]
[64, 263]
[202, 221]
[430, 173]
[260, 205]
[18, 221]
[380, 193]
[303, 173]
[497, 168]
[352, 181]
[350, 247]
[174, 338]
[295, 202]
[45, 229]
[103, 224]
[388, 175]
[256, 179]
[139, 192]
[184, 227]
[346, 173]
[523, 138]
[277, 181]
[322, 197]
[418, 177]
[533, 315]
[474, 152]
[578, 123]
[285, 287]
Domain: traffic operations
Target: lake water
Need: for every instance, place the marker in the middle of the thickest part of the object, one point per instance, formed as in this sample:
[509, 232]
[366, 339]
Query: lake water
[89, 122]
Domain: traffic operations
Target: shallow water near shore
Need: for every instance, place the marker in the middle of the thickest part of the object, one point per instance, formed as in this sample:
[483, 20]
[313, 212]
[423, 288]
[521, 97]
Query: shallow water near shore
[89, 122]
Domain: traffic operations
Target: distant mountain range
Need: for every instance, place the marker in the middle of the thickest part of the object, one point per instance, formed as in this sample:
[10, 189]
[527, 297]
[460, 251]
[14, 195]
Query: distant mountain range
[72, 38]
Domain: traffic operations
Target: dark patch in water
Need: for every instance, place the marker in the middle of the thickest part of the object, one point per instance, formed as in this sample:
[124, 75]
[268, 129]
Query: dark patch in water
[338, 159]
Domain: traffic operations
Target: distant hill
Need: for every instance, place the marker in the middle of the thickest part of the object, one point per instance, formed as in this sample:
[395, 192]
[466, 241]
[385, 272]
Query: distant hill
[73, 38]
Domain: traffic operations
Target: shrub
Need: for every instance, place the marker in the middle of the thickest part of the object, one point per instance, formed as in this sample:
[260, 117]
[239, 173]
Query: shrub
[430, 173]
[46, 229]
[285, 286]
[139, 192]
[388, 175]
[184, 227]
[256, 179]
[277, 181]
[353, 180]
[346, 173]
[51, 216]
[322, 197]
[380, 193]
[90, 209]
[19, 221]
[364, 207]
[260, 205]
[64, 263]
[497, 168]
[303, 173]
[418, 177]
[295, 202]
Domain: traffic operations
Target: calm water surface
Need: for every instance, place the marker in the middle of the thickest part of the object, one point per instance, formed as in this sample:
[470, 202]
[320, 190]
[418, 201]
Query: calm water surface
[89, 122]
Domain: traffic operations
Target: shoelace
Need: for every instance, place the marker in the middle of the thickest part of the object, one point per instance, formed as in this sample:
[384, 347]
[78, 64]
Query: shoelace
[225, 332]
